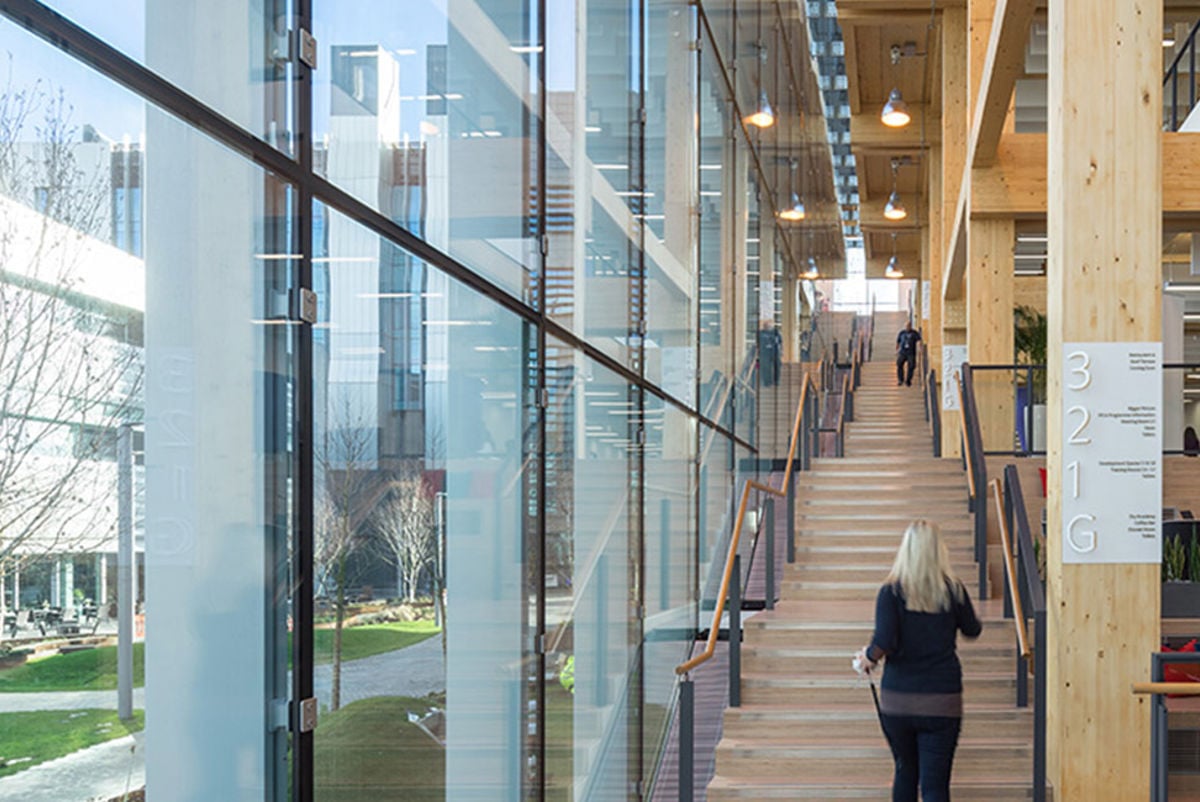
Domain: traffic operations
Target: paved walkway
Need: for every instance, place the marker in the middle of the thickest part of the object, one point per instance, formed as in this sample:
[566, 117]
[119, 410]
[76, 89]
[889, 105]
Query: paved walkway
[67, 700]
[107, 770]
[97, 773]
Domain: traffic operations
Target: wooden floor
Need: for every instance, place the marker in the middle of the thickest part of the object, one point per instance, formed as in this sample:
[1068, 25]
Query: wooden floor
[807, 728]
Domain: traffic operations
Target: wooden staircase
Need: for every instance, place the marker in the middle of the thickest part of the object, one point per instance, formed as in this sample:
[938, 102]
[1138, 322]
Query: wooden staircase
[807, 728]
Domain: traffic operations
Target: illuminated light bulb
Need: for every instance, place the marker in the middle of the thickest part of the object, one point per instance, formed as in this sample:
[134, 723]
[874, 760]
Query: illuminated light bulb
[895, 112]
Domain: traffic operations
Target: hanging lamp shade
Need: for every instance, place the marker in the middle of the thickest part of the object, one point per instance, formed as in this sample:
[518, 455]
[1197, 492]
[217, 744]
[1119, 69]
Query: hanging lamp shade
[893, 271]
[894, 210]
[795, 212]
[812, 272]
[764, 115]
[895, 112]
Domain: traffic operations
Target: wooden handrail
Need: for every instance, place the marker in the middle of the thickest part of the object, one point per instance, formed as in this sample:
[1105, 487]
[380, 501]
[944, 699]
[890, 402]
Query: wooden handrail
[962, 417]
[1010, 570]
[1177, 688]
[710, 645]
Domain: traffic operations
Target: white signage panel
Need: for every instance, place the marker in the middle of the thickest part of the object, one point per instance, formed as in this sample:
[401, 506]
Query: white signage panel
[953, 357]
[925, 300]
[1112, 452]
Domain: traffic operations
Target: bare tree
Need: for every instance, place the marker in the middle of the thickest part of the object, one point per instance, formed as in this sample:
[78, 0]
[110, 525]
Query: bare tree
[70, 362]
[406, 524]
[347, 489]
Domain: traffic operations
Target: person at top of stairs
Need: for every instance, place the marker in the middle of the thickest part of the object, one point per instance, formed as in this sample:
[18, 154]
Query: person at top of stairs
[919, 612]
[906, 351]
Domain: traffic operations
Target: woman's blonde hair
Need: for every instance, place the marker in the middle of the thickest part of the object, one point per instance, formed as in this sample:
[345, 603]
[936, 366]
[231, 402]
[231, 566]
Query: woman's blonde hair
[922, 569]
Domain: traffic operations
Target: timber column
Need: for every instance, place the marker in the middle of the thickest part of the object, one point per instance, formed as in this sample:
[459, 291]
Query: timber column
[955, 129]
[1104, 213]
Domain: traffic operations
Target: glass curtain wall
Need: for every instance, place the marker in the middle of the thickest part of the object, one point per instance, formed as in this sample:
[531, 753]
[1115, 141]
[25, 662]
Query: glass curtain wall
[378, 424]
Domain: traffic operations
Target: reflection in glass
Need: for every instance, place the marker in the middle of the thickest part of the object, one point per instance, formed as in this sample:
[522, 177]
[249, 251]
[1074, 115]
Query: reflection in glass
[421, 605]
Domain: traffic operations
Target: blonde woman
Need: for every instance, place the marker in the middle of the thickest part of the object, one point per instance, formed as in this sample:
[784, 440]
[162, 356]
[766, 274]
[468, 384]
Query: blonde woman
[919, 612]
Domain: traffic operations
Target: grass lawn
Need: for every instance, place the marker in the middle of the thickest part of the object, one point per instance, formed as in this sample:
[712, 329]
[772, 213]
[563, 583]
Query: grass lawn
[370, 639]
[27, 739]
[96, 669]
[368, 751]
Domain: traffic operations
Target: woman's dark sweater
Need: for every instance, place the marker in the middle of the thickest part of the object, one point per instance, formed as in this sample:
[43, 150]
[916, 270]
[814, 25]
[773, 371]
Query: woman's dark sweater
[920, 650]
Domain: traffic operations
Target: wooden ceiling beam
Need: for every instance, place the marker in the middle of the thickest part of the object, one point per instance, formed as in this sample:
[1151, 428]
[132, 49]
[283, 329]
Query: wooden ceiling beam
[868, 133]
[1003, 64]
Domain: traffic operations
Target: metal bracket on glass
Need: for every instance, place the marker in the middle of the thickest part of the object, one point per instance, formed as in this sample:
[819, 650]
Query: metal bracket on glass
[308, 306]
[279, 714]
[308, 714]
[308, 49]
[281, 47]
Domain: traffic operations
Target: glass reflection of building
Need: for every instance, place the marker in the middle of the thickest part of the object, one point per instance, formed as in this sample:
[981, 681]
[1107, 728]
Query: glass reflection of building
[530, 365]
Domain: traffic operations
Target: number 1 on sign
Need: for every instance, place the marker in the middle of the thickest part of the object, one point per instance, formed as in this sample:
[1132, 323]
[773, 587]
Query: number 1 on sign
[1073, 467]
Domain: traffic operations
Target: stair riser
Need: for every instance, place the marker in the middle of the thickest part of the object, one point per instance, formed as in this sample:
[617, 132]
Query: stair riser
[873, 573]
[852, 728]
[765, 765]
[805, 556]
[961, 544]
[996, 692]
[851, 639]
[959, 793]
[787, 666]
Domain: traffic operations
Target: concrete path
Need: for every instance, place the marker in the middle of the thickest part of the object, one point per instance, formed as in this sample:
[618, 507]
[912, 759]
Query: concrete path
[99, 772]
[104, 771]
[414, 671]
[67, 700]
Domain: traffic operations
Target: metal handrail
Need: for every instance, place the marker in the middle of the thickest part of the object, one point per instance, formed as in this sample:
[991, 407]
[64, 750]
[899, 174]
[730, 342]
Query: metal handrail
[1159, 733]
[962, 417]
[1171, 75]
[1010, 571]
[734, 541]
[1032, 600]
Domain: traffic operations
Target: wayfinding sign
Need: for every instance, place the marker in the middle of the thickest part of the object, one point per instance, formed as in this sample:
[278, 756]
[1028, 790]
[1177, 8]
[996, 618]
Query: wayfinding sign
[1112, 452]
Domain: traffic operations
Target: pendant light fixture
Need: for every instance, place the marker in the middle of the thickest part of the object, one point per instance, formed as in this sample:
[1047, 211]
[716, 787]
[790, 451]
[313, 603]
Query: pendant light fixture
[763, 115]
[893, 268]
[894, 210]
[795, 211]
[895, 112]
[811, 272]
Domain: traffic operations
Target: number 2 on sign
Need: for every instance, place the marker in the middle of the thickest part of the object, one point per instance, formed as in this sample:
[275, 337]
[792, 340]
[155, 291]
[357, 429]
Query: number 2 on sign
[1077, 438]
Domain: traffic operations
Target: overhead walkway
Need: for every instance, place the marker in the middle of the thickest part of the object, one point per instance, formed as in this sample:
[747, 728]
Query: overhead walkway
[807, 728]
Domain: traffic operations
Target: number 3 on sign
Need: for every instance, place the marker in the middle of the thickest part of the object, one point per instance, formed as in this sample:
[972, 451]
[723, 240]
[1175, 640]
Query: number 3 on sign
[1083, 371]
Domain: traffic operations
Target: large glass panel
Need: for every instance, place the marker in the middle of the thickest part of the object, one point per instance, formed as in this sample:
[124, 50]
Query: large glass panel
[423, 462]
[670, 168]
[715, 510]
[427, 111]
[669, 514]
[145, 448]
[589, 564]
[593, 275]
[714, 298]
[236, 56]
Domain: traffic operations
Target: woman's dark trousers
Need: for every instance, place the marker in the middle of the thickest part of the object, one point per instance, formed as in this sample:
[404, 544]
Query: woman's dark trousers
[923, 747]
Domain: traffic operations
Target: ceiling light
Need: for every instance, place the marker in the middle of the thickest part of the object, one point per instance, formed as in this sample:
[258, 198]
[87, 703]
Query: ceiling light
[812, 272]
[794, 212]
[764, 115]
[895, 112]
[894, 210]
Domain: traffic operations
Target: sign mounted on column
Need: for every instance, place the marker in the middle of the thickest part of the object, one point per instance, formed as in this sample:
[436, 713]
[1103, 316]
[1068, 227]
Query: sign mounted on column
[1112, 452]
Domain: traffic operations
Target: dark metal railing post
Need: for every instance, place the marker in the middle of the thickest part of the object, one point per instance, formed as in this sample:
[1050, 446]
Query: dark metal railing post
[687, 739]
[1039, 707]
[664, 554]
[702, 513]
[735, 633]
[769, 523]
[790, 508]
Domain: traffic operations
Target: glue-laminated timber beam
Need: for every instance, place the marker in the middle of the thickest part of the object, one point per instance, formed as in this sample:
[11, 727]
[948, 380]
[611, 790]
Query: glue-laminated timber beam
[868, 133]
[1003, 64]
[1015, 187]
